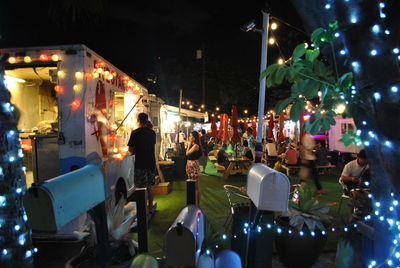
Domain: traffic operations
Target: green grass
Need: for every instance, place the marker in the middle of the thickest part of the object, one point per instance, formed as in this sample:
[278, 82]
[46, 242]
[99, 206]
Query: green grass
[215, 206]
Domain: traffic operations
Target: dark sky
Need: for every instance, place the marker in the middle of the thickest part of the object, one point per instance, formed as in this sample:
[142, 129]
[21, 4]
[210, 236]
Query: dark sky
[160, 38]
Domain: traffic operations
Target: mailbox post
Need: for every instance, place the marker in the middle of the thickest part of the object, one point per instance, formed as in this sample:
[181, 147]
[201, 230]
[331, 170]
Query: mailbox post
[53, 204]
[268, 191]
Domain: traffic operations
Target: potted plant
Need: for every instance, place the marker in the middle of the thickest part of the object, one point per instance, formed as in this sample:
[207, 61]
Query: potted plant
[305, 221]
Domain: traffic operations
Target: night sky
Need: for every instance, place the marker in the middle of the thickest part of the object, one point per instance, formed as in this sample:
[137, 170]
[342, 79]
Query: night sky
[159, 39]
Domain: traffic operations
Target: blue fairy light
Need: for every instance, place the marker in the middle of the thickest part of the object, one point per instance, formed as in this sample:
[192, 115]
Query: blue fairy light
[18, 190]
[353, 92]
[366, 183]
[353, 19]
[5, 252]
[388, 143]
[374, 52]
[2, 200]
[312, 233]
[390, 221]
[397, 255]
[371, 134]
[369, 195]
[366, 143]
[355, 225]
[216, 246]
[279, 230]
[323, 232]
[376, 212]
[21, 240]
[327, 6]
[381, 218]
[358, 132]
[345, 229]
[377, 96]
[337, 34]
[395, 202]
[17, 227]
[269, 226]
[208, 252]
[234, 236]
[396, 50]
[290, 231]
[356, 66]
[342, 52]
[387, 32]
[259, 229]
[224, 237]
[390, 262]
[381, 5]
[11, 158]
[391, 208]
[333, 229]
[246, 224]
[25, 217]
[11, 132]
[364, 123]
[301, 233]
[35, 250]
[376, 28]
[394, 89]
[391, 194]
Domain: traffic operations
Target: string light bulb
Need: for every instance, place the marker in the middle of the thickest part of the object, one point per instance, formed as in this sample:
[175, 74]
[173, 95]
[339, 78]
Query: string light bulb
[271, 41]
[280, 61]
[27, 59]
[274, 26]
[12, 60]
[55, 57]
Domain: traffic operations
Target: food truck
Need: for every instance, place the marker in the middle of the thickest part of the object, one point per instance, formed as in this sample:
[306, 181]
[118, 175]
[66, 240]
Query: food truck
[74, 108]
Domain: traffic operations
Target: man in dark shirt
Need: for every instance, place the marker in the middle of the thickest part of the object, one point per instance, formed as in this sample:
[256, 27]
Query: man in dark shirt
[141, 144]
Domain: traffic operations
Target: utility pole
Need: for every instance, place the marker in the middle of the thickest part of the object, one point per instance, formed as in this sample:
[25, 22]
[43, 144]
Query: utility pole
[179, 115]
[203, 78]
[261, 97]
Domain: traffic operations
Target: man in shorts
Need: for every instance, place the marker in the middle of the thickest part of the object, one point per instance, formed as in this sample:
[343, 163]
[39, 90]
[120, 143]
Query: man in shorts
[141, 144]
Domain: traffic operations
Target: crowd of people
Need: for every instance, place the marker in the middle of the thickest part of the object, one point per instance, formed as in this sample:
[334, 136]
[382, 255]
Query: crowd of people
[308, 155]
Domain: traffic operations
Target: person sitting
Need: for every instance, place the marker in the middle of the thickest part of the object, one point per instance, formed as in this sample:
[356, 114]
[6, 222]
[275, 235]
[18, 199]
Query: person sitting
[246, 151]
[222, 157]
[354, 171]
[211, 144]
[291, 155]
[322, 154]
[271, 149]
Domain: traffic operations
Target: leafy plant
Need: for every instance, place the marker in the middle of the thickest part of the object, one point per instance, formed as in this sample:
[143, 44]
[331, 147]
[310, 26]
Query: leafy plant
[314, 80]
[307, 210]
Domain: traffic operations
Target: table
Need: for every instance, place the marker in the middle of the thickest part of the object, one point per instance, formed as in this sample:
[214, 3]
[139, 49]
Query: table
[242, 162]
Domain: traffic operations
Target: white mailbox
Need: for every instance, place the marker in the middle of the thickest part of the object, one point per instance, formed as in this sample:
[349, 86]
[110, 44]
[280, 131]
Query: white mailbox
[267, 188]
[56, 202]
[184, 238]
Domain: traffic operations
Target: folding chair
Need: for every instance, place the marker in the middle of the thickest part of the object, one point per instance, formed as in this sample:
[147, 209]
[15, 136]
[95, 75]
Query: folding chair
[345, 195]
[233, 191]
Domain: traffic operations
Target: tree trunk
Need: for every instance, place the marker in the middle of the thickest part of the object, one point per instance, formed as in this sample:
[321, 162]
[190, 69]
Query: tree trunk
[15, 237]
[379, 109]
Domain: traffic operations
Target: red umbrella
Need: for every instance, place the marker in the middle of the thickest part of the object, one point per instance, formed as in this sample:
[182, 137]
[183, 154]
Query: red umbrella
[270, 127]
[281, 137]
[301, 125]
[221, 126]
[235, 125]
[225, 134]
[254, 126]
[213, 127]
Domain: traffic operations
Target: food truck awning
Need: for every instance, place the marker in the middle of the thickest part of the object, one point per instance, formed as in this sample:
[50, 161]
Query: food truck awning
[186, 112]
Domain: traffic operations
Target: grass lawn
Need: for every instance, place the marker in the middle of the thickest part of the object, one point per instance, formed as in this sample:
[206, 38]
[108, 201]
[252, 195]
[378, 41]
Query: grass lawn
[215, 206]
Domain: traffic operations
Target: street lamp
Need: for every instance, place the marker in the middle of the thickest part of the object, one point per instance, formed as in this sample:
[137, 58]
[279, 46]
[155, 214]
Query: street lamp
[263, 67]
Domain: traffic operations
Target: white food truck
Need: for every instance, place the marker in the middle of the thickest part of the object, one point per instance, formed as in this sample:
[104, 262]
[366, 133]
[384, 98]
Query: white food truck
[76, 108]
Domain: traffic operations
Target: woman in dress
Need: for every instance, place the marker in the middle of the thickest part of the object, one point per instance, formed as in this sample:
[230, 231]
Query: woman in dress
[193, 154]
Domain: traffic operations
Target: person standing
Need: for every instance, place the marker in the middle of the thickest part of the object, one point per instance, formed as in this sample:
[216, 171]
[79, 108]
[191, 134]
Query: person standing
[308, 167]
[203, 142]
[142, 144]
[193, 154]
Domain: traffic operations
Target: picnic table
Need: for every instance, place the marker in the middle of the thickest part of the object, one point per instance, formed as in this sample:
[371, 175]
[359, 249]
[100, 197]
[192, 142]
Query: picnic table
[236, 165]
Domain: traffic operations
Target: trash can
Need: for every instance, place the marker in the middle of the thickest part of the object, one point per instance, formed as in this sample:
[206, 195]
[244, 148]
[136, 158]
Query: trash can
[264, 239]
